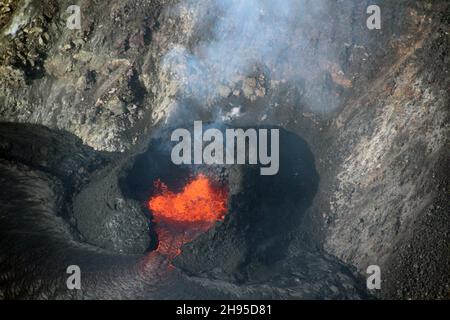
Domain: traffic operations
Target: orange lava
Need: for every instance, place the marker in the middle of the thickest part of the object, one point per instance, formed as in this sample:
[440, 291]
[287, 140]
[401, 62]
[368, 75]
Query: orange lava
[181, 217]
[199, 201]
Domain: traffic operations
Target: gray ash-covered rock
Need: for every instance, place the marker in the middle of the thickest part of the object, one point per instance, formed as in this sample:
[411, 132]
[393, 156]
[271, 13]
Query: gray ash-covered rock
[372, 105]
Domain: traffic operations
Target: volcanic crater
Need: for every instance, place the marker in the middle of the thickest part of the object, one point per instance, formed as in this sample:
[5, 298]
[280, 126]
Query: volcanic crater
[85, 150]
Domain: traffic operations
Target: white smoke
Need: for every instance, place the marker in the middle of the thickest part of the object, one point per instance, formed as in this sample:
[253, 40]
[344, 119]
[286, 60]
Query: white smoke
[236, 36]
[19, 19]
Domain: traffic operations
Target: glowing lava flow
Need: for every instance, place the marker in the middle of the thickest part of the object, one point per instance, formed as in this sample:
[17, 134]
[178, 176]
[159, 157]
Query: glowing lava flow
[180, 217]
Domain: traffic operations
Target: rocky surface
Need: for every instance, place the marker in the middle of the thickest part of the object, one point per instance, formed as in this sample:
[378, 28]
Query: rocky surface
[372, 105]
[389, 172]
[43, 234]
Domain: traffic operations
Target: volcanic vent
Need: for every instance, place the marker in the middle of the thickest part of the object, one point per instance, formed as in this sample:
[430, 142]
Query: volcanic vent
[244, 252]
[180, 216]
[371, 104]
[230, 217]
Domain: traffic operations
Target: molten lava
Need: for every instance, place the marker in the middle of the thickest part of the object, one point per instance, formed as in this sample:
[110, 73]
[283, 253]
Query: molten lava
[198, 202]
[180, 217]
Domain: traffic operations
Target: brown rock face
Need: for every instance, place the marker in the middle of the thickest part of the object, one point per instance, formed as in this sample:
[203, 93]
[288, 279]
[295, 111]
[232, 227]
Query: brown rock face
[372, 105]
